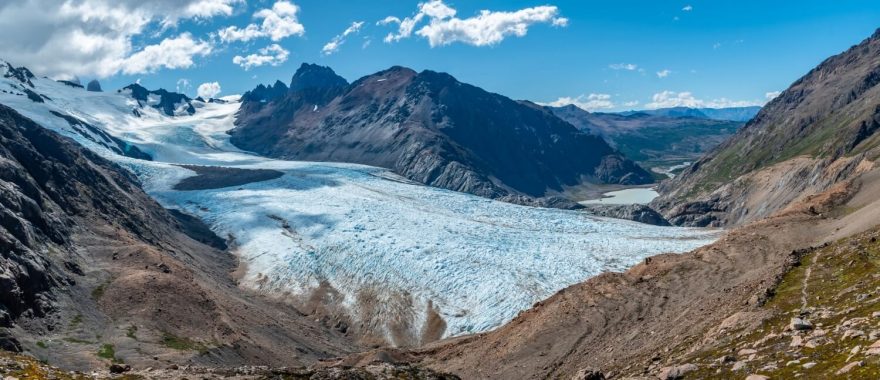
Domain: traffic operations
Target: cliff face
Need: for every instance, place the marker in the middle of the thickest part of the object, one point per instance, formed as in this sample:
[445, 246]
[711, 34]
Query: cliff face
[820, 131]
[430, 128]
[87, 258]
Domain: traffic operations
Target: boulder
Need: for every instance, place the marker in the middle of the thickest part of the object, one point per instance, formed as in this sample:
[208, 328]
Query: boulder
[849, 367]
[677, 372]
[800, 324]
[589, 374]
[119, 368]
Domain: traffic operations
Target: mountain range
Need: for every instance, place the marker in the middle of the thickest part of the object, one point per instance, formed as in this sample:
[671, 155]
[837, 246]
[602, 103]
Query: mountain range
[741, 114]
[430, 128]
[141, 233]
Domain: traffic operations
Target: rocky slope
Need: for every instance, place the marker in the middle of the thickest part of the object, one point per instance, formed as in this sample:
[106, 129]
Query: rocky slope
[791, 294]
[430, 128]
[820, 131]
[94, 271]
[722, 311]
[655, 140]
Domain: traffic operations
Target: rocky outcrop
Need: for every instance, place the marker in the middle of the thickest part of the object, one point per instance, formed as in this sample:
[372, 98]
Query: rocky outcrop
[94, 86]
[169, 103]
[819, 132]
[429, 128]
[46, 181]
[635, 212]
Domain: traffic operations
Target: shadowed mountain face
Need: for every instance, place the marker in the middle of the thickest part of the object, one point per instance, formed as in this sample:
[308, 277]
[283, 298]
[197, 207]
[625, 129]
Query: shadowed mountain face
[820, 131]
[85, 255]
[430, 128]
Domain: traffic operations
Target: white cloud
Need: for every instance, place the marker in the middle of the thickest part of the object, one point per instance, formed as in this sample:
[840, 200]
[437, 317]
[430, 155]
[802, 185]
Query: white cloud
[687, 8]
[485, 29]
[183, 85]
[667, 99]
[631, 103]
[388, 20]
[560, 21]
[171, 53]
[337, 41]
[663, 73]
[623, 66]
[89, 37]
[279, 22]
[209, 90]
[772, 95]
[591, 102]
[272, 55]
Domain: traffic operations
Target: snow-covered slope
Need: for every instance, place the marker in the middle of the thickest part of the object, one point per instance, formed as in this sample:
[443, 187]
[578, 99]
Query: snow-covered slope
[404, 261]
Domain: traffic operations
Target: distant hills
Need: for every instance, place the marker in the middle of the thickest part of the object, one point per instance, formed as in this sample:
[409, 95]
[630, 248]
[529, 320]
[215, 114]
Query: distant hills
[742, 114]
[659, 139]
[430, 128]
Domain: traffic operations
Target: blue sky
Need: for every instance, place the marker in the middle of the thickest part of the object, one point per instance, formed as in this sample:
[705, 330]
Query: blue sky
[627, 54]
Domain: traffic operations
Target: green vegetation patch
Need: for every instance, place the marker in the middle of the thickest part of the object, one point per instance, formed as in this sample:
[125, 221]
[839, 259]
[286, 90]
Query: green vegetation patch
[107, 351]
[182, 343]
[841, 283]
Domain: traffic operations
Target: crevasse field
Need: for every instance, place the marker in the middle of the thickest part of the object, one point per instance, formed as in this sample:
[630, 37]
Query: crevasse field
[356, 228]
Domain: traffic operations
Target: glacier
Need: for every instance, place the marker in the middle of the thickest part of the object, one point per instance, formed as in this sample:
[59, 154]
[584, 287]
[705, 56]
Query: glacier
[393, 252]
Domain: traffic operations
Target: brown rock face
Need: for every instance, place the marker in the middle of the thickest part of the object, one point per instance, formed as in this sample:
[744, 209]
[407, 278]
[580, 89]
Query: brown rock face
[430, 128]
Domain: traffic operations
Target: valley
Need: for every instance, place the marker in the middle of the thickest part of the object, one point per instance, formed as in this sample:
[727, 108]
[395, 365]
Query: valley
[394, 261]
[685, 191]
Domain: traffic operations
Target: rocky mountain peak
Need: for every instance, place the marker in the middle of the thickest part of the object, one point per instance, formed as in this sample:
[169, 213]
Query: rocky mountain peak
[94, 86]
[314, 76]
[170, 103]
[22, 74]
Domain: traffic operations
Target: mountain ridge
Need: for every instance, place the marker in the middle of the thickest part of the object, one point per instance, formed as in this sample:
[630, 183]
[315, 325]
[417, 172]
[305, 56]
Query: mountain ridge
[820, 131]
[425, 127]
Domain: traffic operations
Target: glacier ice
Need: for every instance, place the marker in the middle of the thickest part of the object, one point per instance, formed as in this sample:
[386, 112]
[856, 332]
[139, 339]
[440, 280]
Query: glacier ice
[359, 229]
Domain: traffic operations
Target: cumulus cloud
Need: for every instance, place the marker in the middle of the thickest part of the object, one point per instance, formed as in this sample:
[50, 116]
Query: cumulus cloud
[278, 22]
[208, 90]
[772, 95]
[623, 66]
[663, 73]
[485, 29]
[183, 85]
[687, 8]
[272, 55]
[334, 44]
[667, 99]
[90, 37]
[172, 53]
[591, 102]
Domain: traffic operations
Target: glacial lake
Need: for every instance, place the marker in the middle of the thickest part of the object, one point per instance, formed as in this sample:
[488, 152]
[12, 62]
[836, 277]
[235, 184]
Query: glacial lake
[641, 195]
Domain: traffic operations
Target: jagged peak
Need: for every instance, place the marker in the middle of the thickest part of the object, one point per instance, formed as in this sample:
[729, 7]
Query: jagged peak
[310, 75]
[280, 85]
